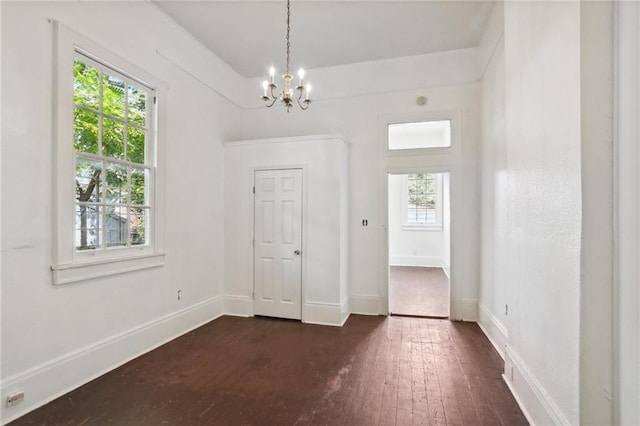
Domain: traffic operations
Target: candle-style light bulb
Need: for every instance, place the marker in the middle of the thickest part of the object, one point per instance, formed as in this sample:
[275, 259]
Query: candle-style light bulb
[308, 88]
[301, 75]
[272, 73]
[265, 84]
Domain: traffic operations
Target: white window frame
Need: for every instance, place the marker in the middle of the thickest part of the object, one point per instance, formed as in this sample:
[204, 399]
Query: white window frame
[70, 265]
[406, 226]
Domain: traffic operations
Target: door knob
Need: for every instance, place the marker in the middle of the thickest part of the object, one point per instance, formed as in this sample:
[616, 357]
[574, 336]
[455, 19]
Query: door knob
[297, 252]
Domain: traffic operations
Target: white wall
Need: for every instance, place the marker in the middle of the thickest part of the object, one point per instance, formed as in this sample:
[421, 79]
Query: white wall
[57, 337]
[532, 224]
[411, 247]
[449, 81]
[494, 282]
[627, 218]
[324, 161]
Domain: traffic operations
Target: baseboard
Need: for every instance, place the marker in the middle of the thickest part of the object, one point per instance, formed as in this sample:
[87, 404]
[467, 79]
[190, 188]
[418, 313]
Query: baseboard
[470, 310]
[424, 261]
[323, 313]
[345, 311]
[363, 304]
[52, 379]
[533, 399]
[492, 328]
[239, 306]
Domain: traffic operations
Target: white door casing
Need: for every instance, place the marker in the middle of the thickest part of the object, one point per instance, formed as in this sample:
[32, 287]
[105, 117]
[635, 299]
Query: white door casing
[278, 243]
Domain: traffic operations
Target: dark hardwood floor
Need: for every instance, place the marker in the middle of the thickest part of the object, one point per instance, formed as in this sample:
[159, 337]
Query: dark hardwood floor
[260, 371]
[418, 291]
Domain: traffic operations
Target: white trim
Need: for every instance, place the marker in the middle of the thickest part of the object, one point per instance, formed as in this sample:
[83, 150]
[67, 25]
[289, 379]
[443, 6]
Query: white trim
[323, 313]
[74, 272]
[239, 306]
[49, 380]
[534, 400]
[364, 304]
[470, 310]
[422, 261]
[495, 331]
[309, 138]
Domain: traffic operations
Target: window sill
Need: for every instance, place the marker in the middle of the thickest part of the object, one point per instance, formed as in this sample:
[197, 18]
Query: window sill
[422, 227]
[74, 272]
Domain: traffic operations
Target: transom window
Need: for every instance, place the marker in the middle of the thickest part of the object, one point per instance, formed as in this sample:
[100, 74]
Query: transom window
[419, 135]
[113, 167]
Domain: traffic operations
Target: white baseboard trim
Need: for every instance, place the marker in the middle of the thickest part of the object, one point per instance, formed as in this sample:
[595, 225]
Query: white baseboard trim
[492, 328]
[345, 311]
[535, 402]
[238, 306]
[323, 313]
[470, 310]
[424, 261]
[364, 304]
[54, 378]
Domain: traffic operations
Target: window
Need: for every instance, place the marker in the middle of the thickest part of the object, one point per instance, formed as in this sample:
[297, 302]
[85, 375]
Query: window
[423, 201]
[108, 209]
[111, 122]
[419, 135]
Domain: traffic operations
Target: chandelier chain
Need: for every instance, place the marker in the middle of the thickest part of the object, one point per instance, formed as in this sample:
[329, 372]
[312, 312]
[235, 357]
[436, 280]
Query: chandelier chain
[288, 30]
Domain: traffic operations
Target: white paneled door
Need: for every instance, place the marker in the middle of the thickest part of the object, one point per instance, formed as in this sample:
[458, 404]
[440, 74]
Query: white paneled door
[278, 243]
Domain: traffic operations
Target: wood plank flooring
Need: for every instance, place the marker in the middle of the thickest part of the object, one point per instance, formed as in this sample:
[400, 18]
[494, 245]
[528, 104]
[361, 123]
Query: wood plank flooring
[260, 371]
[418, 291]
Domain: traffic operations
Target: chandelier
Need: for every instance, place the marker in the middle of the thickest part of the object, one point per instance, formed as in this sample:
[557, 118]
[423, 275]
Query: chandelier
[288, 96]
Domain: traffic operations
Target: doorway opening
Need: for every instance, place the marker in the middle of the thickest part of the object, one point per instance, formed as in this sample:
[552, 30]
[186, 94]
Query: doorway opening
[419, 244]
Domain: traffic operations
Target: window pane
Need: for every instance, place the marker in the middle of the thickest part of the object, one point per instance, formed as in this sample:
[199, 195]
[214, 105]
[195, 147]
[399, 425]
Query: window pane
[87, 232]
[138, 221]
[116, 226]
[137, 105]
[112, 138]
[428, 134]
[117, 191]
[85, 131]
[88, 178]
[135, 145]
[139, 179]
[113, 96]
[86, 85]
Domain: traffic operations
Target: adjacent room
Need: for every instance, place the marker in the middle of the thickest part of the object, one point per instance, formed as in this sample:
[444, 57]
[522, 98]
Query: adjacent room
[317, 212]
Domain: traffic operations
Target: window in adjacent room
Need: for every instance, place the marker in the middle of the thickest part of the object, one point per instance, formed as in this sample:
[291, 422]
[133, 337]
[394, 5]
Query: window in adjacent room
[423, 201]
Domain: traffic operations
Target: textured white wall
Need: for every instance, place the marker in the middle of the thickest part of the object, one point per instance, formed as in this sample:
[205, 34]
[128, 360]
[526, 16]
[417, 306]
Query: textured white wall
[543, 200]
[50, 331]
[628, 215]
[494, 281]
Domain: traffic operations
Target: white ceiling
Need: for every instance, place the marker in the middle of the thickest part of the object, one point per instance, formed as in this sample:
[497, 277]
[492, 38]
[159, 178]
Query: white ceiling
[250, 35]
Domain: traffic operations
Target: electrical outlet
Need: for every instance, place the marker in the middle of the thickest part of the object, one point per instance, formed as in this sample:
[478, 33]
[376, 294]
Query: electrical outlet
[15, 399]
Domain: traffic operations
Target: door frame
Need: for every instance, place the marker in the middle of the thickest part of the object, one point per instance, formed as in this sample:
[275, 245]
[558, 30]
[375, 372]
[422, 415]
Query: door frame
[251, 289]
[436, 160]
[386, 257]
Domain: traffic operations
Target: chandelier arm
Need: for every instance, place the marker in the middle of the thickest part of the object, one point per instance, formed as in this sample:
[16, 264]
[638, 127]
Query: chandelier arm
[304, 105]
[269, 105]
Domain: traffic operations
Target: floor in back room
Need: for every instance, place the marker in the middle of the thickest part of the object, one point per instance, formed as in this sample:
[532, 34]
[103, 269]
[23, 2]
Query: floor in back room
[418, 291]
[258, 371]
